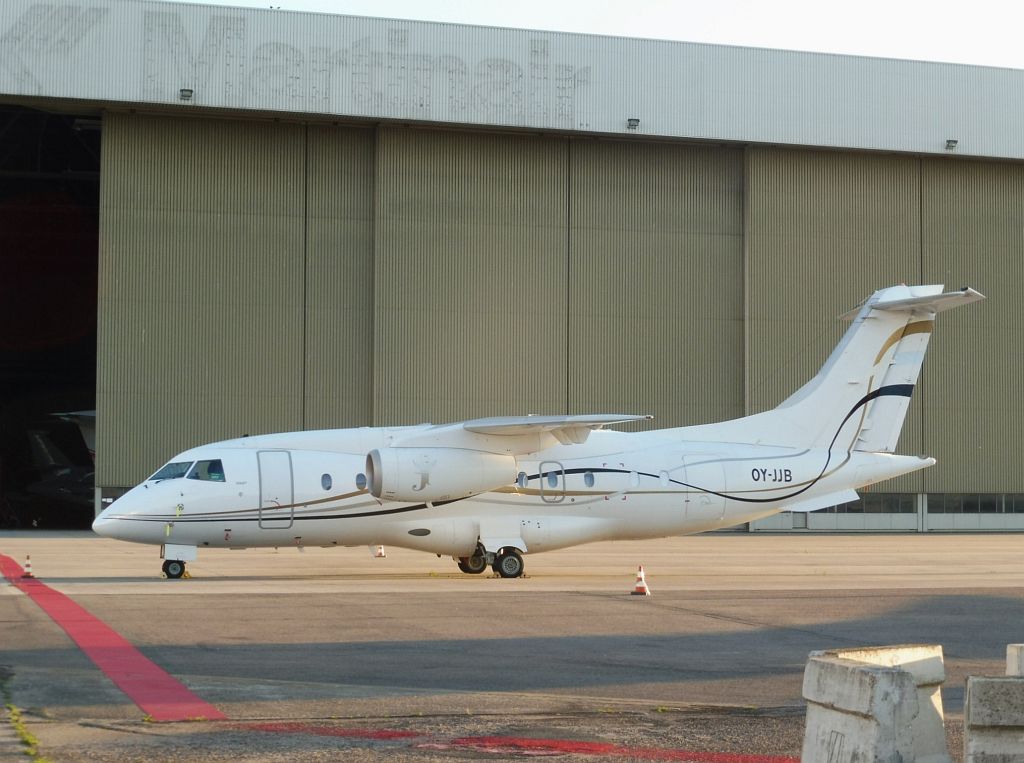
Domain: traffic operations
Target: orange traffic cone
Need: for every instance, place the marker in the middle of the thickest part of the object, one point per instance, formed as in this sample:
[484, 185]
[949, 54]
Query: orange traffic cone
[28, 567]
[641, 589]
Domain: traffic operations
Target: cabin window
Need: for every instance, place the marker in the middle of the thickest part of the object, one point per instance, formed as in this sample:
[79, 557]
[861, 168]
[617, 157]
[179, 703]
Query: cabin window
[326, 481]
[207, 471]
[664, 479]
[634, 479]
[521, 479]
[172, 471]
[588, 479]
[361, 481]
[552, 479]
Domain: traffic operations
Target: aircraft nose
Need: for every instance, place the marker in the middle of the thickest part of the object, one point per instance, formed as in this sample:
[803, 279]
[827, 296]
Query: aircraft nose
[102, 524]
[120, 520]
[108, 522]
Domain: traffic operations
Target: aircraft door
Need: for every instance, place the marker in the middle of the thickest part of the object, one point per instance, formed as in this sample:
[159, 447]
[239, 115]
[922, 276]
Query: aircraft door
[552, 482]
[277, 496]
[706, 475]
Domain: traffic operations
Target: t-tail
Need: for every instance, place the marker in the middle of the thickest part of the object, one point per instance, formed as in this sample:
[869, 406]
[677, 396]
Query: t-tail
[859, 399]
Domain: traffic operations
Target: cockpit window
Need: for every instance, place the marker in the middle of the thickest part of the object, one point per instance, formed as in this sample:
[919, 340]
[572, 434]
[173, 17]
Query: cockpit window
[172, 471]
[209, 471]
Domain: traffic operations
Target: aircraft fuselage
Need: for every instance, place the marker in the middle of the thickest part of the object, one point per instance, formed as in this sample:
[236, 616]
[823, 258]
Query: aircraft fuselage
[289, 489]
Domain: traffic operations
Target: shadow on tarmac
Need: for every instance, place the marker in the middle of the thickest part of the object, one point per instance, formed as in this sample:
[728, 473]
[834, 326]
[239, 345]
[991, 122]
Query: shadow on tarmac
[973, 629]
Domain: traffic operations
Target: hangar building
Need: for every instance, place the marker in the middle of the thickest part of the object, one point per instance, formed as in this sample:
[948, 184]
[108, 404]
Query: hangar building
[310, 221]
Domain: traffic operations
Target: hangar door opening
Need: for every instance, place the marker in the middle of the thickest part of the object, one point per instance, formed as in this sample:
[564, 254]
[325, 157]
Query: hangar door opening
[49, 220]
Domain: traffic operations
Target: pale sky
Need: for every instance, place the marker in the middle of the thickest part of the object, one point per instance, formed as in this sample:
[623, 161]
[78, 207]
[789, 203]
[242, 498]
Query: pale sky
[984, 32]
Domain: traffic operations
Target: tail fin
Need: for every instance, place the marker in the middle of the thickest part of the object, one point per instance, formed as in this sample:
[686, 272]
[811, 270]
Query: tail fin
[860, 397]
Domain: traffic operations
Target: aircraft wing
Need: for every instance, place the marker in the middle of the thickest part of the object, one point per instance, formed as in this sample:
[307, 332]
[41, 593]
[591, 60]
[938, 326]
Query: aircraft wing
[515, 434]
[566, 429]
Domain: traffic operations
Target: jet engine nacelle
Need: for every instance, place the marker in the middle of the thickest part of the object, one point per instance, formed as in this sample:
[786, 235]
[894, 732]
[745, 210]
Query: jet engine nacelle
[435, 474]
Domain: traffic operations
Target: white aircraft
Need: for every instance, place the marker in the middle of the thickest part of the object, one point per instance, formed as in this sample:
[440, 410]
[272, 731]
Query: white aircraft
[488, 491]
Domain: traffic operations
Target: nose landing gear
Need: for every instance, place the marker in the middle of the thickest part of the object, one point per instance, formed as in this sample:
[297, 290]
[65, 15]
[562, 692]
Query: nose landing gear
[175, 555]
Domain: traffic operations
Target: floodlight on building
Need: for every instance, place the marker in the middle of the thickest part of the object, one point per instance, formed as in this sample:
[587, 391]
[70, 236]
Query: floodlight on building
[632, 123]
[950, 144]
[185, 94]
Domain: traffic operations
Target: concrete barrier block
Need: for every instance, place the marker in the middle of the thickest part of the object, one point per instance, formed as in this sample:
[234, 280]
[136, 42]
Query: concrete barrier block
[924, 662]
[852, 687]
[994, 720]
[995, 701]
[858, 712]
[1015, 660]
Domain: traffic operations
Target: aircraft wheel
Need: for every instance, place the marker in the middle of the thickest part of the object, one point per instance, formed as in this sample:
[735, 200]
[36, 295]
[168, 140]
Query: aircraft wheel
[473, 565]
[509, 563]
[173, 568]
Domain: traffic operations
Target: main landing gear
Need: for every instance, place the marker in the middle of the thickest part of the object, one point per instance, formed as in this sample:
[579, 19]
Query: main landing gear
[173, 569]
[508, 562]
[475, 564]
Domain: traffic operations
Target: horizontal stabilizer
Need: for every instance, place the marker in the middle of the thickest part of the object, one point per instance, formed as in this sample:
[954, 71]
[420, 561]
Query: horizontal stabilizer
[823, 501]
[935, 303]
[933, 300]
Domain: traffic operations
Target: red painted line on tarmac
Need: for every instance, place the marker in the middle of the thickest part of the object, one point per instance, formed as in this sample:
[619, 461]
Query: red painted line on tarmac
[150, 687]
[526, 746]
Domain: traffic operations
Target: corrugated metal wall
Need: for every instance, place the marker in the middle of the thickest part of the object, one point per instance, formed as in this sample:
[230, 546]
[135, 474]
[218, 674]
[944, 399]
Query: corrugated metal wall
[339, 278]
[827, 227]
[656, 281]
[260, 276]
[824, 230]
[521, 274]
[200, 286]
[203, 298]
[470, 293]
[973, 223]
